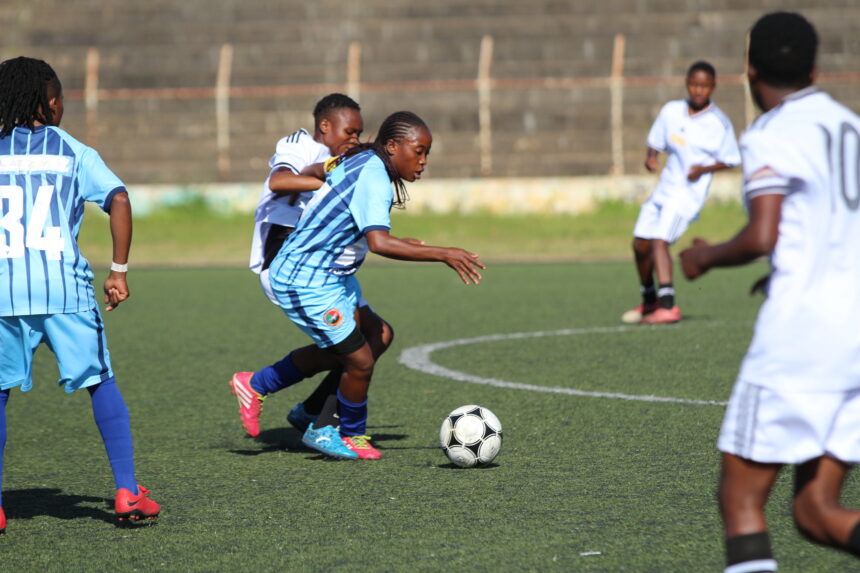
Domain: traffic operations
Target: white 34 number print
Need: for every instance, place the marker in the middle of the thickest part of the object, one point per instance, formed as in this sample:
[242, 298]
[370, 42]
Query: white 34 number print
[38, 236]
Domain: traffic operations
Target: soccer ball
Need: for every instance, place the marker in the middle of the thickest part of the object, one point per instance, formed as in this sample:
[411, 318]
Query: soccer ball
[471, 436]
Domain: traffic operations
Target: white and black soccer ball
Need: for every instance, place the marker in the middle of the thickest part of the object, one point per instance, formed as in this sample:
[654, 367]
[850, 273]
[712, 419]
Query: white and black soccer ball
[471, 436]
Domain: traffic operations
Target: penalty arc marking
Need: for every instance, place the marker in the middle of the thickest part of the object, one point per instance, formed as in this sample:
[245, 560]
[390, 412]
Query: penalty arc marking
[418, 358]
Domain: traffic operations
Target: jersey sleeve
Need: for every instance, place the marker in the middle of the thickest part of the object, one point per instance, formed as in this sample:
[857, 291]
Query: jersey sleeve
[769, 166]
[97, 183]
[371, 201]
[657, 134]
[729, 152]
[292, 152]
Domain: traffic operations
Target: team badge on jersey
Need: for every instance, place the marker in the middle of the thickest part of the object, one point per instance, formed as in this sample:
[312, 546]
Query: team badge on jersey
[333, 317]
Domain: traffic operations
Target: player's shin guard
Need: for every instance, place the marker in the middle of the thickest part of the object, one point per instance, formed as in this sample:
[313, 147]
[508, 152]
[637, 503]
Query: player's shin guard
[111, 416]
[277, 376]
[749, 554]
[353, 417]
[4, 397]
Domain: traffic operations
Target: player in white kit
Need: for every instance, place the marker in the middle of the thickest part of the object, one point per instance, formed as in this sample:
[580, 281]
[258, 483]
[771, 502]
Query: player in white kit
[698, 139]
[797, 397]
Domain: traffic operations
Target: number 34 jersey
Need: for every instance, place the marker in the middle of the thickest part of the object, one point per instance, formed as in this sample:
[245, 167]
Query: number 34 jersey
[46, 176]
[807, 335]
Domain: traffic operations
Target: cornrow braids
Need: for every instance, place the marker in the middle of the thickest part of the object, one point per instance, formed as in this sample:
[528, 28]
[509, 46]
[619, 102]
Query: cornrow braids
[395, 127]
[24, 98]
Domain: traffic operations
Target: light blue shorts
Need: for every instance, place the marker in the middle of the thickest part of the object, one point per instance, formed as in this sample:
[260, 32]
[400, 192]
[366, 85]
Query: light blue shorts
[326, 314]
[76, 339]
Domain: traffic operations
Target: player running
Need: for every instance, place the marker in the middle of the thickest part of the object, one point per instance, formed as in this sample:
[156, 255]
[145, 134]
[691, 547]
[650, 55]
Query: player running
[698, 139]
[295, 173]
[45, 178]
[797, 396]
[313, 276]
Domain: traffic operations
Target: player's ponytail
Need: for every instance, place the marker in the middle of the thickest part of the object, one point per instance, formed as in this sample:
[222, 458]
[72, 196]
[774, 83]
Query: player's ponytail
[395, 127]
[24, 84]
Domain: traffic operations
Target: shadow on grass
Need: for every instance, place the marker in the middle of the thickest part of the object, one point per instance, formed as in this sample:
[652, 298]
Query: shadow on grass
[290, 439]
[30, 503]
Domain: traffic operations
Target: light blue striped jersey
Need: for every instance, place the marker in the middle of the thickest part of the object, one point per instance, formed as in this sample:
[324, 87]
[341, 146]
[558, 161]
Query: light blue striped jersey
[329, 241]
[46, 176]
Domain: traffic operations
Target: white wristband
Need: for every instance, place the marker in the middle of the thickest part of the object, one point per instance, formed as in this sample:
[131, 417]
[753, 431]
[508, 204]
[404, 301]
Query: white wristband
[119, 268]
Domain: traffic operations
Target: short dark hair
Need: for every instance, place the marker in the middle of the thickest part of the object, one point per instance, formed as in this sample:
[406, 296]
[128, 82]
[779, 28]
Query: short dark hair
[330, 103]
[783, 47]
[24, 95]
[703, 66]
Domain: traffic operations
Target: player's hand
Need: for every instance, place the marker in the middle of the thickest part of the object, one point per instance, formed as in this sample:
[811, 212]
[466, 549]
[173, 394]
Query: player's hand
[760, 285]
[691, 259]
[651, 164]
[116, 290]
[696, 171]
[465, 264]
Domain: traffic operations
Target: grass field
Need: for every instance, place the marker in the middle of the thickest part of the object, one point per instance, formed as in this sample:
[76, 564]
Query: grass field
[581, 484]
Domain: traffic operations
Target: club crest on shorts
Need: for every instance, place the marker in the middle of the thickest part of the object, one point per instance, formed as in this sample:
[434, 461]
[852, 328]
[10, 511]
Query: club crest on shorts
[333, 317]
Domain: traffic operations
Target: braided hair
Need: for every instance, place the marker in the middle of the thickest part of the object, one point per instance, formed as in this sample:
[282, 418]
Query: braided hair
[395, 128]
[24, 93]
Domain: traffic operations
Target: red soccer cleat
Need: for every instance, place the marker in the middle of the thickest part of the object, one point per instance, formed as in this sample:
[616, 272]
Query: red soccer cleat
[361, 446]
[2, 521]
[636, 314]
[662, 316]
[130, 507]
[250, 402]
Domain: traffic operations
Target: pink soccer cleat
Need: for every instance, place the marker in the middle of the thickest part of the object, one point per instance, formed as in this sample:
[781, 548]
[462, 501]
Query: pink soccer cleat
[662, 316]
[250, 402]
[361, 446]
[130, 507]
[636, 314]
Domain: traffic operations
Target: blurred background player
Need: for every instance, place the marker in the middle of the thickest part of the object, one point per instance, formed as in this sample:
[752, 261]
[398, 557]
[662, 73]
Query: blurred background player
[45, 178]
[313, 275]
[295, 173]
[797, 396]
[698, 139]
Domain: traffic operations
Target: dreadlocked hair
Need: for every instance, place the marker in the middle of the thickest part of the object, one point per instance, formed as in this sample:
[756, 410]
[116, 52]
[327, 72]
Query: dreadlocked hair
[24, 84]
[395, 128]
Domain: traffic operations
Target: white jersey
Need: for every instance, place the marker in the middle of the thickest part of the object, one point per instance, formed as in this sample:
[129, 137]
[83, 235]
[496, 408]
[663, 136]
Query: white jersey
[807, 335]
[704, 138]
[295, 152]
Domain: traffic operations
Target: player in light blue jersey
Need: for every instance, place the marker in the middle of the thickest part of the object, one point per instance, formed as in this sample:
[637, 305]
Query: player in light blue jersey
[46, 176]
[313, 275]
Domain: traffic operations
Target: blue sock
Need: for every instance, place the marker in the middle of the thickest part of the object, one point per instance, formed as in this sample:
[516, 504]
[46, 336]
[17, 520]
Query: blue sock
[111, 416]
[4, 397]
[353, 417]
[277, 376]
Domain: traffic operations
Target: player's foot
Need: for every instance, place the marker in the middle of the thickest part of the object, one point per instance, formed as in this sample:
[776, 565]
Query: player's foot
[2, 521]
[299, 418]
[662, 316]
[327, 441]
[635, 315]
[250, 402]
[133, 508]
[361, 446]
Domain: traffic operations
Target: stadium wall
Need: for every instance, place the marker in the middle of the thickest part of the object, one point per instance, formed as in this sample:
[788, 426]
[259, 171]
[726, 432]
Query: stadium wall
[198, 91]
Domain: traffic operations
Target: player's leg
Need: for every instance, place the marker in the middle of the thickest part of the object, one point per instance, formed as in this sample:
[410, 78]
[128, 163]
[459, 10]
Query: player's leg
[4, 397]
[742, 494]
[644, 259]
[669, 227]
[817, 509]
[79, 343]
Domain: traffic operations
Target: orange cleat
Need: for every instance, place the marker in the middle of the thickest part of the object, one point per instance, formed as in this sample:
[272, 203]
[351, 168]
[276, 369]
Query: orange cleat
[636, 314]
[133, 508]
[662, 316]
[250, 402]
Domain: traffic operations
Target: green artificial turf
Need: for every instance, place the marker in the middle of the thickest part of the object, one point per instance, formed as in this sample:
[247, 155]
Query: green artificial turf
[582, 483]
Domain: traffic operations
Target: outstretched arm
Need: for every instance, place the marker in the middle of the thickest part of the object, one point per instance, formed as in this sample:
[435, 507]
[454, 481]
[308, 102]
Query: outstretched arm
[464, 263]
[697, 171]
[651, 163]
[115, 286]
[756, 239]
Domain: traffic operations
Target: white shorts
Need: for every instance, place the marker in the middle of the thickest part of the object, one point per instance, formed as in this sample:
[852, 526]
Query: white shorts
[660, 221]
[770, 426]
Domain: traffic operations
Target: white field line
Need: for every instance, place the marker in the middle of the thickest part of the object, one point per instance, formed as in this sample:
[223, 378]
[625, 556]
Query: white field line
[418, 358]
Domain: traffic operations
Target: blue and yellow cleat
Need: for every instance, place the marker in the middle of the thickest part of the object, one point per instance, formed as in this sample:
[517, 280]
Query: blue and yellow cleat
[327, 441]
[299, 418]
